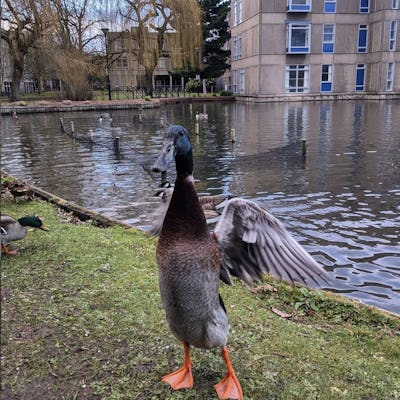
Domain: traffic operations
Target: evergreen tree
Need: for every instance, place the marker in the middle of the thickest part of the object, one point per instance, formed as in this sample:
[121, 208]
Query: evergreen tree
[215, 35]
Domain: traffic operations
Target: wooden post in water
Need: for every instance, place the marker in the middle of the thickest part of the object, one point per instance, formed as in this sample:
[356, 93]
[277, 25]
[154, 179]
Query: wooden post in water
[62, 126]
[233, 135]
[303, 147]
[196, 128]
[72, 127]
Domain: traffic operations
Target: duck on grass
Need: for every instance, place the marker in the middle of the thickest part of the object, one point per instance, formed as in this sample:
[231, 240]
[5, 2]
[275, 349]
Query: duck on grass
[248, 242]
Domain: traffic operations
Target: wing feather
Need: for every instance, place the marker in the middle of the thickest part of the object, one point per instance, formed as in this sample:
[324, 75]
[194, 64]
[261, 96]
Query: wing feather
[254, 242]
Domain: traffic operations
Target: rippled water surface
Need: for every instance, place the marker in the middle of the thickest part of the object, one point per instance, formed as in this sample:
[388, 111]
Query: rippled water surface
[341, 201]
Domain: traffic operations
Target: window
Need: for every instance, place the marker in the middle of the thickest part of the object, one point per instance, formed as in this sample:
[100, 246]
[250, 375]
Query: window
[237, 12]
[299, 5]
[235, 81]
[395, 4]
[7, 86]
[392, 36]
[237, 47]
[389, 78]
[360, 77]
[330, 6]
[326, 77]
[121, 63]
[328, 38]
[241, 81]
[119, 44]
[297, 78]
[298, 37]
[362, 39]
[364, 6]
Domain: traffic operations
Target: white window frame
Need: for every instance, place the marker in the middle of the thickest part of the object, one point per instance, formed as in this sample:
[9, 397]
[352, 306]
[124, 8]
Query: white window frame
[332, 40]
[329, 79]
[121, 63]
[291, 27]
[237, 12]
[235, 83]
[237, 47]
[392, 35]
[395, 4]
[390, 77]
[242, 81]
[298, 69]
[299, 5]
[362, 49]
[330, 2]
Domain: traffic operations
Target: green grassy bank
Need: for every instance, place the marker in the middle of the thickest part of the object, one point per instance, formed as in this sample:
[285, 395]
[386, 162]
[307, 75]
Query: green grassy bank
[81, 319]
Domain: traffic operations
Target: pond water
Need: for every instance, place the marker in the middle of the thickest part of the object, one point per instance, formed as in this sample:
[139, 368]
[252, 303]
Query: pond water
[341, 200]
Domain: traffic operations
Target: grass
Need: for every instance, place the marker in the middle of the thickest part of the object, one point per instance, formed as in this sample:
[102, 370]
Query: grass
[81, 319]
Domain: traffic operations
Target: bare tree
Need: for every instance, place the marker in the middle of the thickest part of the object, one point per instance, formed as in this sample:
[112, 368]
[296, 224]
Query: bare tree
[26, 20]
[152, 21]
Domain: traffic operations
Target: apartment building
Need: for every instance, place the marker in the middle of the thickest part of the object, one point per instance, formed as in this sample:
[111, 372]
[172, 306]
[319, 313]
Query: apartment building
[315, 48]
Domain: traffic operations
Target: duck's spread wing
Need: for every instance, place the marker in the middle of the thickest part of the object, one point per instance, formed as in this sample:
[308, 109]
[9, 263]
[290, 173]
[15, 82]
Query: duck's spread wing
[254, 243]
[157, 218]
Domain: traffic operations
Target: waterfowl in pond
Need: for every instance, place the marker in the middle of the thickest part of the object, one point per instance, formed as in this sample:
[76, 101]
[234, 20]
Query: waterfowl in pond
[13, 230]
[212, 207]
[248, 242]
[201, 116]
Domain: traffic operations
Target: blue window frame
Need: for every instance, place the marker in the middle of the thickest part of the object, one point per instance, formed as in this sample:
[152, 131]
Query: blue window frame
[362, 38]
[326, 77]
[299, 5]
[298, 38]
[360, 78]
[328, 38]
[330, 6]
[364, 6]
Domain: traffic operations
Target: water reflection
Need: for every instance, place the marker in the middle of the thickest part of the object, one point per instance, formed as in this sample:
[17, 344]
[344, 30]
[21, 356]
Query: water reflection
[341, 201]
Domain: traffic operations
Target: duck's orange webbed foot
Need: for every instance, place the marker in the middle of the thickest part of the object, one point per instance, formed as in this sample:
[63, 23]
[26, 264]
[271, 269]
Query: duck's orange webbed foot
[229, 387]
[182, 378]
[5, 250]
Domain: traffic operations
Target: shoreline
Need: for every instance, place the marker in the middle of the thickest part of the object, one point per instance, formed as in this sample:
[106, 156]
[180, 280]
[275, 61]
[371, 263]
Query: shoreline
[44, 106]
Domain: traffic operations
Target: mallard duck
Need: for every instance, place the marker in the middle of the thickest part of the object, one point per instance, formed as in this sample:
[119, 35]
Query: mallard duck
[13, 230]
[248, 242]
[18, 188]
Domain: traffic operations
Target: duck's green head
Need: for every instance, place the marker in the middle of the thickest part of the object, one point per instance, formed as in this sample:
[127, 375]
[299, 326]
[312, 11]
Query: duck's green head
[176, 146]
[33, 221]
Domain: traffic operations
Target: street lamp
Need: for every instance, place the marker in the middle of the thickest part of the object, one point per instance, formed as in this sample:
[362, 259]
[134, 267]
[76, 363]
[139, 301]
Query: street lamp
[105, 31]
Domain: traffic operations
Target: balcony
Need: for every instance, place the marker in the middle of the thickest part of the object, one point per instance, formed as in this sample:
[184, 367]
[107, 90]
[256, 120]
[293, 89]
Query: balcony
[298, 6]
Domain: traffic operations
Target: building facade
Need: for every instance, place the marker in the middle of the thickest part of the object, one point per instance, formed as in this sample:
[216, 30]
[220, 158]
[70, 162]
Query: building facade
[315, 48]
[125, 70]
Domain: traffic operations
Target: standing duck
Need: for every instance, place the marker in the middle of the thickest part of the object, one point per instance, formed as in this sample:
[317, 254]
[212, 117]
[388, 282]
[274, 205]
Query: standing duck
[248, 242]
[13, 230]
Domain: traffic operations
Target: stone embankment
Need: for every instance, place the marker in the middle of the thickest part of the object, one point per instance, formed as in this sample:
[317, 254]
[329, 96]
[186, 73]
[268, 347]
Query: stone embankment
[23, 107]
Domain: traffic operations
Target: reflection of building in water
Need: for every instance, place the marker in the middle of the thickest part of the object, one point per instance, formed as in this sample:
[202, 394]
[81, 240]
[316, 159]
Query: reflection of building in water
[319, 48]
[295, 122]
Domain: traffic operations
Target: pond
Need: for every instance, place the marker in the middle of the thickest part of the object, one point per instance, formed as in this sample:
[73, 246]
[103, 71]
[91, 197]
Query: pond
[340, 200]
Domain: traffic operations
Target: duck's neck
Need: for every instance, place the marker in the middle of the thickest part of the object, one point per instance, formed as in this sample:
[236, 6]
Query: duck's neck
[185, 215]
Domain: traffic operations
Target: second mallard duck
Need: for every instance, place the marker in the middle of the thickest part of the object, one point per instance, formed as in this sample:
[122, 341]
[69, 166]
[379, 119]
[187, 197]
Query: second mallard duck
[13, 230]
[248, 242]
